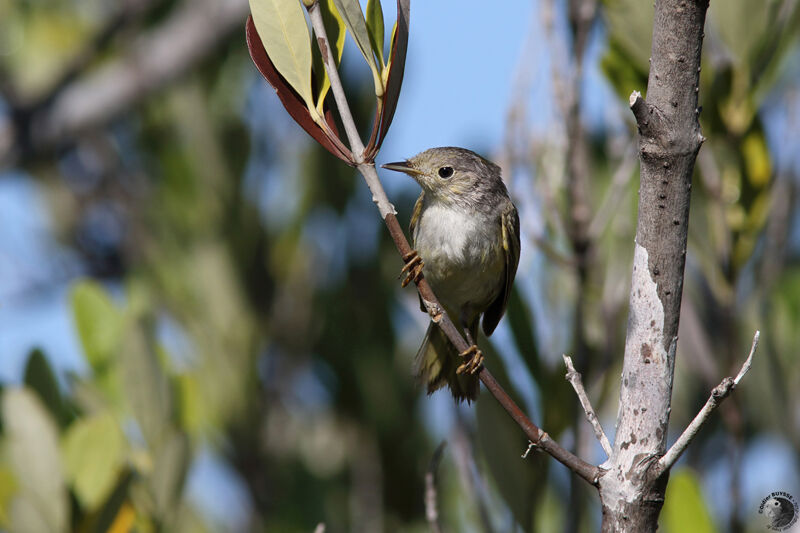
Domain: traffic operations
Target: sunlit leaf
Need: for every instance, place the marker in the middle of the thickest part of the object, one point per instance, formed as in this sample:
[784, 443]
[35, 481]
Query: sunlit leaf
[375, 28]
[282, 27]
[757, 159]
[350, 11]
[8, 487]
[125, 519]
[684, 506]
[98, 322]
[93, 450]
[31, 446]
[193, 414]
[117, 514]
[335, 31]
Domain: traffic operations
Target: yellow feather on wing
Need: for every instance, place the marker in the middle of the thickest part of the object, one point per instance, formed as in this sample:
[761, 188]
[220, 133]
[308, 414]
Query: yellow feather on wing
[509, 222]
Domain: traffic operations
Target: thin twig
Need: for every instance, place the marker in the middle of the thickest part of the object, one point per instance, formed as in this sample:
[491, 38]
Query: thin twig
[540, 438]
[577, 383]
[431, 505]
[719, 393]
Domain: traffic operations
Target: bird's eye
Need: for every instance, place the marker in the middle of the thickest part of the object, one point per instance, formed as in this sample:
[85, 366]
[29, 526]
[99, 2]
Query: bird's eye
[445, 172]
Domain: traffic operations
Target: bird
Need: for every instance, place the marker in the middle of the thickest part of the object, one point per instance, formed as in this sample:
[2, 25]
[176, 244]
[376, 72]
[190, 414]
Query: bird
[466, 239]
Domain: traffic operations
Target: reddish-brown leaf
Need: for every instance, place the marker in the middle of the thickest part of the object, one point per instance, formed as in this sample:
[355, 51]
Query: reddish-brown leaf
[291, 100]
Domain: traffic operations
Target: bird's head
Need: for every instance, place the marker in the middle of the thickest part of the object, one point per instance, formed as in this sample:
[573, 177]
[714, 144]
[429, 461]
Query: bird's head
[450, 174]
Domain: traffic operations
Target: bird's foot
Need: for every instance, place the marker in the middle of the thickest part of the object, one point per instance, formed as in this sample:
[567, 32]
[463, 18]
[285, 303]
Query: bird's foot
[473, 363]
[412, 268]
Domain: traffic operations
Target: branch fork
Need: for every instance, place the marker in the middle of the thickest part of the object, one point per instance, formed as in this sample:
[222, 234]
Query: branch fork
[577, 383]
[718, 395]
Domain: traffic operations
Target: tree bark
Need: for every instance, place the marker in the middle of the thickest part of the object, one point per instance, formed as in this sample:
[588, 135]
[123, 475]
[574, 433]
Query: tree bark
[632, 491]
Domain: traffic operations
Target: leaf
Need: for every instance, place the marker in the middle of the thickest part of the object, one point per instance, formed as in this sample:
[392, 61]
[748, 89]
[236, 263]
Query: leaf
[291, 100]
[350, 11]
[521, 323]
[39, 376]
[93, 451]
[756, 159]
[396, 67]
[684, 506]
[117, 513]
[335, 30]
[282, 27]
[145, 386]
[98, 321]
[375, 28]
[8, 488]
[169, 471]
[41, 502]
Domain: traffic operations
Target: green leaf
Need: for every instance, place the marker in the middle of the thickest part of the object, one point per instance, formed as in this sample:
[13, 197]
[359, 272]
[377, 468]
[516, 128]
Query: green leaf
[93, 451]
[375, 28]
[335, 30]
[145, 386]
[684, 505]
[117, 514]
[98, 321]
[31, 445]
[169, 471]
[39, 376]
[282, 27]
[8, 488]
[350, 11]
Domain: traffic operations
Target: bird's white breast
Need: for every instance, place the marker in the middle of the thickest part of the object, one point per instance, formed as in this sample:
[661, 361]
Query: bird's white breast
[463, 256]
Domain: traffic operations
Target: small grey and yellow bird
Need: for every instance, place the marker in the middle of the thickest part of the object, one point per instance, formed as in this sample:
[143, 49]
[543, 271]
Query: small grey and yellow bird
[466, 229]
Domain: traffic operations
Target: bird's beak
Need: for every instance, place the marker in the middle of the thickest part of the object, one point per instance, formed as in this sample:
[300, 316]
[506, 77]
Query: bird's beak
[402, 166]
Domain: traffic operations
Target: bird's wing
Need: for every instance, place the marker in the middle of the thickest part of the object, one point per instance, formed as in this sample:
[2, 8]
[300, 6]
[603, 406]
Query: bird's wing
[509, 222]
[412, 226]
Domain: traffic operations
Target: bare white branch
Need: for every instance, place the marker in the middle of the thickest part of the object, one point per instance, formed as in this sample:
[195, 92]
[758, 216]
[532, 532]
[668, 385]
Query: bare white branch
[719, 393]
[577, 383]
[746, 366]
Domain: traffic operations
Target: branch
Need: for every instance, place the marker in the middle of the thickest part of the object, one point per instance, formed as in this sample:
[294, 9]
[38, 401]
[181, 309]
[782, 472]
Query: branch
[719, 394]
[431, 507]
[577, 383]
[669, 140]
[588, 472]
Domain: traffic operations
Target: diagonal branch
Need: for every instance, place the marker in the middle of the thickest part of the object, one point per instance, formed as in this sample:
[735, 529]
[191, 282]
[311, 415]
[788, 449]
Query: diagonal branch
[719, 394]
[537, 436]
[577, 383]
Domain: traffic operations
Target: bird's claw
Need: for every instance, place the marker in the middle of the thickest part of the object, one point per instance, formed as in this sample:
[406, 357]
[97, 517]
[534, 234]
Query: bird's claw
[474, 360]
[412, 268]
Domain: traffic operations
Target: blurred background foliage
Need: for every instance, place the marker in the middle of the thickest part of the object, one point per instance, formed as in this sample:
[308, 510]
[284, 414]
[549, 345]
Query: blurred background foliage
[244, 346]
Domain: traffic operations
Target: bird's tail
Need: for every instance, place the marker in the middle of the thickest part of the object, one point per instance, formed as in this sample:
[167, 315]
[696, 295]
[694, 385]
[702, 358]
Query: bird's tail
[437, 361]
